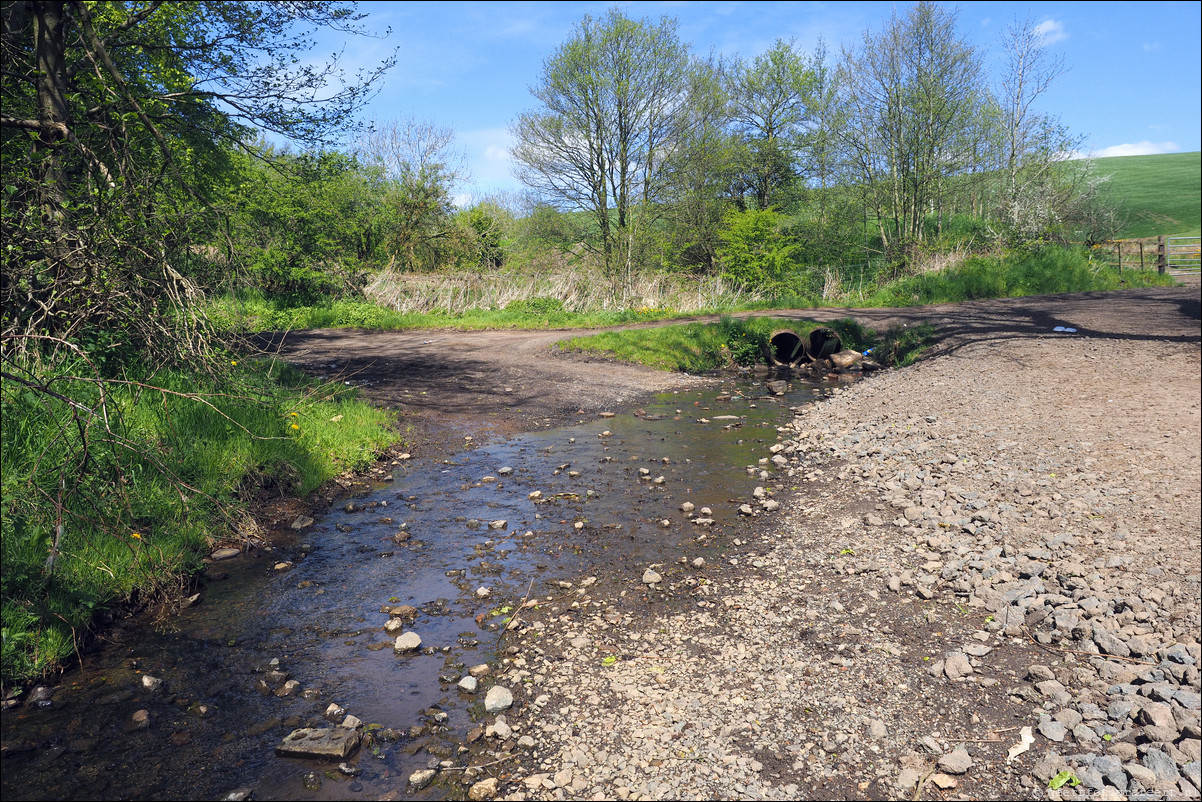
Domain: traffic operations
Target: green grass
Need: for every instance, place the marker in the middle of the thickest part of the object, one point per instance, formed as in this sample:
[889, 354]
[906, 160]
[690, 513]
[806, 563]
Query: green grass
[254, 313]
[1044, 272]
[1160, 194]
[143, 485]
[703, 347]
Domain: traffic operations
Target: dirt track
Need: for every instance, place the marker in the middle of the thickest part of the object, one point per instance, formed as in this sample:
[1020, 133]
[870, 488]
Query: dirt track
[494, 383]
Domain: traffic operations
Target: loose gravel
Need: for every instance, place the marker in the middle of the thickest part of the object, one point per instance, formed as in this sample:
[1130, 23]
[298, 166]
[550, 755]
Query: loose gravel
[983, 581]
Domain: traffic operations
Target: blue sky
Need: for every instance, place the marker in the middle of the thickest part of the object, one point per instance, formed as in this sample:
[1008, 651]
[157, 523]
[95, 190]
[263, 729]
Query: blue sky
[1132, 86]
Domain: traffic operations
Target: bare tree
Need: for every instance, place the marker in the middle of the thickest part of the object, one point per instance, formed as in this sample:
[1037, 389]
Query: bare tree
[1035, 145]
[614, 102]
[420, 167]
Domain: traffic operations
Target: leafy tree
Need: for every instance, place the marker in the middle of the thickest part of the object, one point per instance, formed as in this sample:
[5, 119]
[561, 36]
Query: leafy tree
[912, 96]
[755, 251]
[612, 111]
[419, 169]
[770, 100]
[118, 123]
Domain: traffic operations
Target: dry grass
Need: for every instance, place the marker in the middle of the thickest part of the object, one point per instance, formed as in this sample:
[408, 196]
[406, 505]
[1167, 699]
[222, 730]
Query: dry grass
[580, 290]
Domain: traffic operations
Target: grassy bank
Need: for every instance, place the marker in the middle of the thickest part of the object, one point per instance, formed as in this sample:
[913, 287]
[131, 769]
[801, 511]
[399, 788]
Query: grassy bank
[702, 347]
[115, 488]
[1045, 271]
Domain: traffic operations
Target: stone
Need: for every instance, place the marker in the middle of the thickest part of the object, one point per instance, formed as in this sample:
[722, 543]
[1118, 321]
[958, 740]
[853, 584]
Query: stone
[224, 554]
[1052, 730]
[1156, 714]
[152, 684]
[498, 698]
[956, 665]
[1163, 766]
[485, 789]
[651, 577]
[1141, 774]
[302, 521]
[957, 762]
[468, 684]
[408, 642]
[319, 742]
[421, 778]
[876, 730]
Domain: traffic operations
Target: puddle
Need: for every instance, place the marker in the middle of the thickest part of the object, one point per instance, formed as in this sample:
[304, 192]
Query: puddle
[426, 539]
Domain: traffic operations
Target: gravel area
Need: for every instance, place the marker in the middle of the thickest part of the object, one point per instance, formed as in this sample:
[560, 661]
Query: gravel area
[983, 582]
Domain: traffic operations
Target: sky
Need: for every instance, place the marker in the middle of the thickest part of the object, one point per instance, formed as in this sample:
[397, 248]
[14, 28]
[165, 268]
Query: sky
[1132, 86]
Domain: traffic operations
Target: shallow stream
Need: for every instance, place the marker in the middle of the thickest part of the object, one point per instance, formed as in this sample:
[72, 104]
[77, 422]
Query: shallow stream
[460, 540]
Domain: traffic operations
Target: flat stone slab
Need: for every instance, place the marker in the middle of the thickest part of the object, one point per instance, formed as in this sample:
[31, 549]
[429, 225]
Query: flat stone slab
[323, 742]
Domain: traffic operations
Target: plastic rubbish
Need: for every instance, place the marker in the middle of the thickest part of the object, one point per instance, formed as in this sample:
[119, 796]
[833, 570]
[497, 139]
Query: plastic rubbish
[1065, 330]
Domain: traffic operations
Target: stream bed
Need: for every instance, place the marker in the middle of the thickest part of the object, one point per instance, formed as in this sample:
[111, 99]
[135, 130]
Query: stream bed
[461, 541]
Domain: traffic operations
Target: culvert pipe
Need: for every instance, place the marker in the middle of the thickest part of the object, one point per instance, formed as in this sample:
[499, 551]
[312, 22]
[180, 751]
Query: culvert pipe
[823, 343]
[786, 348]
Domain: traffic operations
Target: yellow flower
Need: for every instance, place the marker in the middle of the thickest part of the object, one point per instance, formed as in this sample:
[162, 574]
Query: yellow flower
[293, 414]
[135, 535]
[233, 362]
[294, 426]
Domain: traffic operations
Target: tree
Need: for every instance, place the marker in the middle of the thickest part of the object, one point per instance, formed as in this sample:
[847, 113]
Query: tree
[770, 100]
[419, 168]
[118, 123]
[912, 95]
[1034, 145]
[614, 105]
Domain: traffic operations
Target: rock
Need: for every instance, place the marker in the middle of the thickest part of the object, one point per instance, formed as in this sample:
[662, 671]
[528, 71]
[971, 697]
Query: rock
[651, 577]
[481, 670]
[302, 521]
[319, 742]
[845, 358]
[699, 562]
[956, 665]
[1052, 730]
[1141, 774]
[408, 642]
[152, 684]
[351, 722]
[1163, 766]
[421, 778]
[224, 554]
[876, 730]
[687, 507]
[468, 684]
[958, 762]
[483, 790]
[403, 611]
[140, 720]
[944, 781]
[499, 524]
[501, 728]
[1156, 714]
[483, 592]
[498, 698]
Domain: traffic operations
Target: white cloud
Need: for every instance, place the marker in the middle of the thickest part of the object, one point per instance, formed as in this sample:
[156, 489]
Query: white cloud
[1051, 30]
[1144, 148]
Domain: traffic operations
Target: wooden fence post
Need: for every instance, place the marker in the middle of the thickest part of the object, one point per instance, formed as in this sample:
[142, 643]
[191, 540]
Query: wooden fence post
[1141, 255]
[1162, 261]
[1120, 247]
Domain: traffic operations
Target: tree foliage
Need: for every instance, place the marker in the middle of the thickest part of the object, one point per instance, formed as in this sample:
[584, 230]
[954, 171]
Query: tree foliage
[613, 107]
[118, 126]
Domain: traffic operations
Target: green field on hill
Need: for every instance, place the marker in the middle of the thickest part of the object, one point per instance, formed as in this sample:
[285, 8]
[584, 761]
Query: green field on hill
[1160, 194]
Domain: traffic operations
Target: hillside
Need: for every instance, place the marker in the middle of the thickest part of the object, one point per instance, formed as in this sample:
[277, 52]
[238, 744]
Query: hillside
[1161, 194]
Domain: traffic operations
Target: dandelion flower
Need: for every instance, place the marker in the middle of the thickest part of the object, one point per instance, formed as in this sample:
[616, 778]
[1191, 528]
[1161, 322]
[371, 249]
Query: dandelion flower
[293, 414]
[135, 535]
[294, 426]
[233, 362]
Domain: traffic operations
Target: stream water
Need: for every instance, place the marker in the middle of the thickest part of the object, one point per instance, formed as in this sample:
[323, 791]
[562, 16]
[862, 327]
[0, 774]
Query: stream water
[432, 538]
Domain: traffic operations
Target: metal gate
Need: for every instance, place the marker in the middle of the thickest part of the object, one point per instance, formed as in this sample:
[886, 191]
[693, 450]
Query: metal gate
[1184, 255]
